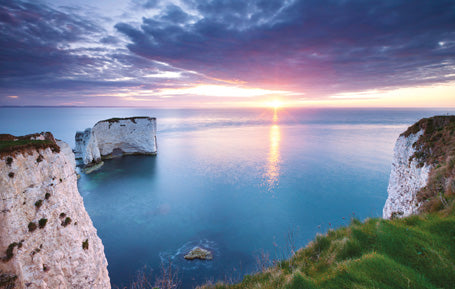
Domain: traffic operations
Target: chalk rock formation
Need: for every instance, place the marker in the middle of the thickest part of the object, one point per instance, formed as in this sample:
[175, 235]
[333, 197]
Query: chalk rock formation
[406, 179]
[87, 147]
[47, 239]
[116, 137]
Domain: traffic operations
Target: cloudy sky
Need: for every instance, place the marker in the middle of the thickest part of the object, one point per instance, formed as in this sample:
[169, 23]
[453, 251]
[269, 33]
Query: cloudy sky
[220, 53]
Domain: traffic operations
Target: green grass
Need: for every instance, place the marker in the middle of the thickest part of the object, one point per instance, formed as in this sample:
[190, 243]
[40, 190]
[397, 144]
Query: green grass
[414, 252]
[8, 145]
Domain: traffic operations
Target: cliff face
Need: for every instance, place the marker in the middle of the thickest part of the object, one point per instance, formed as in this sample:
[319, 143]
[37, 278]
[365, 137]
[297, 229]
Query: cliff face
[423, 169]
[47, 239]
[117, 137]
[406, 179]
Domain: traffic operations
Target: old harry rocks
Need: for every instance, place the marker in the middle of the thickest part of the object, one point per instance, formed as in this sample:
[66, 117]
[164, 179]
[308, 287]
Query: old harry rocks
[116, 137]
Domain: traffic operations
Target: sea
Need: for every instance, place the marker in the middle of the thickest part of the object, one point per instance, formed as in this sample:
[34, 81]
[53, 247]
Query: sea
[250, 185]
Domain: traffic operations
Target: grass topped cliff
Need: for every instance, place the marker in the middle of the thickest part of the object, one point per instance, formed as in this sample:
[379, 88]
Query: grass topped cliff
[413, 252]
[436, 147]
[10, 144]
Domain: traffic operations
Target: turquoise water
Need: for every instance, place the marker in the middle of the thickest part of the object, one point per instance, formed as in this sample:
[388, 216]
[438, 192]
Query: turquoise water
[235, 181]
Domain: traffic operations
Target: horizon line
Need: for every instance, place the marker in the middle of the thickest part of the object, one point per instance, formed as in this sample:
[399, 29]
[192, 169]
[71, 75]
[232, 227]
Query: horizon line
[233, 107]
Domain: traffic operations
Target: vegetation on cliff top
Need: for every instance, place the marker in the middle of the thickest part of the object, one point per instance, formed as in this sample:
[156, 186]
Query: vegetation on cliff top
[436, 147]
[414, 252]
[10, 144]
[133, 119]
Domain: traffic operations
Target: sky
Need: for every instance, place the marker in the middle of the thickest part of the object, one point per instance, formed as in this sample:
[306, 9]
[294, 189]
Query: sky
[228, 53]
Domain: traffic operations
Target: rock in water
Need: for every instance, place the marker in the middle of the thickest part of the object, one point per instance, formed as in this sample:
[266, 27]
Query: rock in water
[87, 147]
[43, 222]
[116, 137]
[199, 253]
[126, 136]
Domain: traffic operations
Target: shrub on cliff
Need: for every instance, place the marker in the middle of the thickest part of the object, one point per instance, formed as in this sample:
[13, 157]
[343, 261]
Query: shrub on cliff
[436, 147]
[42, 223]
[31, 226]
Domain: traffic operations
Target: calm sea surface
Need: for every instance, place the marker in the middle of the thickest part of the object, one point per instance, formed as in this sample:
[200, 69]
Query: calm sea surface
[237, 182]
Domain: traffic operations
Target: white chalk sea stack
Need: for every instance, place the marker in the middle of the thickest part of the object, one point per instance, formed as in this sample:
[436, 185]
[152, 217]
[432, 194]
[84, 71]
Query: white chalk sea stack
[47, 239]
[87, 147]
[406, 179]
[117, 137]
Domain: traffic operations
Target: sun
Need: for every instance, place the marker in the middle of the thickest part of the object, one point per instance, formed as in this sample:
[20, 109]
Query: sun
[276, 103]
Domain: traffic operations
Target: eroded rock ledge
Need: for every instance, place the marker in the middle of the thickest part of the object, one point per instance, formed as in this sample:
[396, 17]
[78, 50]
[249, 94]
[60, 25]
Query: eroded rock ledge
[47, 239]
[116, 137]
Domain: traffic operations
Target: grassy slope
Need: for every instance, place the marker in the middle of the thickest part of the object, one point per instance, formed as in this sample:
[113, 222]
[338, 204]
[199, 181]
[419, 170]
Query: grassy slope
[414, 252]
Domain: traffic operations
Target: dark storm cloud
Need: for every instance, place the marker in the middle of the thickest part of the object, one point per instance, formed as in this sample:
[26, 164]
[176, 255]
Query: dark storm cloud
[322, 46]
[43, 49]
[32, 38]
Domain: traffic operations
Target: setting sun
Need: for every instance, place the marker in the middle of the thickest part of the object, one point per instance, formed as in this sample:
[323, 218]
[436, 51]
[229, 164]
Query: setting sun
[275, 103]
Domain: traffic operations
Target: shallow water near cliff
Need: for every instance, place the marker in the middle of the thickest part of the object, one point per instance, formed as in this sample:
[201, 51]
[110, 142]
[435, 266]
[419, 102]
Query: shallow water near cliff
[237, 182]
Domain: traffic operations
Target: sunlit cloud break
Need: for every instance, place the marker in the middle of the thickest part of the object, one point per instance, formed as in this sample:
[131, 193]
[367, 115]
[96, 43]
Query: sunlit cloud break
[359, 94]
[220, 91]
[165, 74]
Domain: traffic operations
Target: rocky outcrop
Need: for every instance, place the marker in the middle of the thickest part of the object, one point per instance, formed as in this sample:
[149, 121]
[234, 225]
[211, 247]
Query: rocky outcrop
[87, 147]
[408, 176]
[199, 253]
[117, 137]
[47, 239]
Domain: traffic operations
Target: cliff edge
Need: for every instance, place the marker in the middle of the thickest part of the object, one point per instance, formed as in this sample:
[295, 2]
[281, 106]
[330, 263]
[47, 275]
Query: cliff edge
[423, 168]
[47, 239]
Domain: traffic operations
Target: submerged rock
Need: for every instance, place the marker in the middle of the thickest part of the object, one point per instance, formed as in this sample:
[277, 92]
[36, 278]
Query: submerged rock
[116, 137]
[199, 253]
[92, 167]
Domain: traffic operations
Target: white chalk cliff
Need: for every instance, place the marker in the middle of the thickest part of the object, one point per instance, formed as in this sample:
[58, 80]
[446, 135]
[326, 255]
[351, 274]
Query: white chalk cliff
[47, 239]
[116, 137]
[406, 179]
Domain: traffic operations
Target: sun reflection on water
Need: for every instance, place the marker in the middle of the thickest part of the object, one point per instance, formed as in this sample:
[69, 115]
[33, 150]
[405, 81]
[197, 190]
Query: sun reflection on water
[275, 115]
[273, 161]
